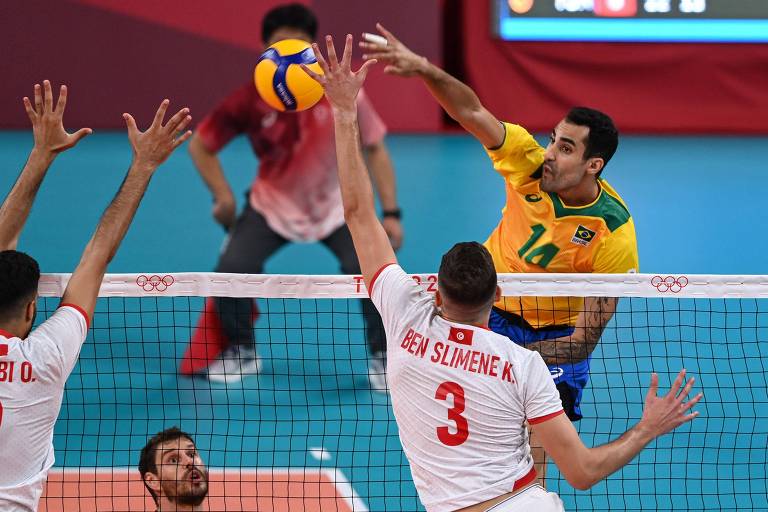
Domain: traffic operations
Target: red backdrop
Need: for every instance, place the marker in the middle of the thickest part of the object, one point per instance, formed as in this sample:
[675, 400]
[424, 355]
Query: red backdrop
[125, 56]
[119, 56]
[670, 88]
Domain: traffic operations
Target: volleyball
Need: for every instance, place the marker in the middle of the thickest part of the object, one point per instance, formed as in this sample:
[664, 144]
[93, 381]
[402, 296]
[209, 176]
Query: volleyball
[281, 82]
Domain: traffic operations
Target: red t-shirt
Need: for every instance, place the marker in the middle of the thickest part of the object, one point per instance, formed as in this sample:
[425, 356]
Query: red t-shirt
[296, 188]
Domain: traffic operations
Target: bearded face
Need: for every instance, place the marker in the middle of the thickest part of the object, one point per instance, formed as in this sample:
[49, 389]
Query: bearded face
[182, 476]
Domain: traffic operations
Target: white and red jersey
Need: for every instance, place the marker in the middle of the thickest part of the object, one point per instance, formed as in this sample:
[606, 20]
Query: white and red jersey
[461, 396]
[32, 377]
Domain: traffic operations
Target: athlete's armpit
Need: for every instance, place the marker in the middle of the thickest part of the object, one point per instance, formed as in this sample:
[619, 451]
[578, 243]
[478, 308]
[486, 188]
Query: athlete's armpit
[589, 328]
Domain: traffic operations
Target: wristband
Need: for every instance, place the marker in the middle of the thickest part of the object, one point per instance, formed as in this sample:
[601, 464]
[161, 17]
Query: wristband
[396, 213]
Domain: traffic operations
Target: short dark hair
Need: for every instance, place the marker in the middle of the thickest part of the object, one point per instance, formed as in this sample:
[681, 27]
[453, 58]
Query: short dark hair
[296, 16]
[19, 277]
[467, 275]
[603, 136]
[147, 462]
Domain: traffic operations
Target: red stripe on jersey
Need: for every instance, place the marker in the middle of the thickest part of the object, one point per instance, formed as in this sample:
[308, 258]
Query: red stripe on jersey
[6, 334]
[527, 479]
[3, 350]
[81, 311]
[541, 419]
[459, 335]
[375, 276]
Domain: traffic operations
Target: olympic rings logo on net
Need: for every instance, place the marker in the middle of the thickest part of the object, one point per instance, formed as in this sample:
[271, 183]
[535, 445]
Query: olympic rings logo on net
[154, 282]
[669, 284]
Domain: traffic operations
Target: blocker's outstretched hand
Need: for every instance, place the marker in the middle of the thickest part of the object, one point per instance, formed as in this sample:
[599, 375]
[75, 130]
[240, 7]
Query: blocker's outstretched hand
[340, 83]
[47, 121]
[156, 144]
[665, 413]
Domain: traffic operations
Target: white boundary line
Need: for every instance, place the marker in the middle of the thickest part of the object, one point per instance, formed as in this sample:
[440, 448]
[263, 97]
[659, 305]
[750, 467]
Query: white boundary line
[346, 286]
[345, 489]
[334, 475]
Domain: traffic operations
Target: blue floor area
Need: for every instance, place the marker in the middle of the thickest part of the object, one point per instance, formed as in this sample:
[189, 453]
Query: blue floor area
[697, 207]
[696, 201]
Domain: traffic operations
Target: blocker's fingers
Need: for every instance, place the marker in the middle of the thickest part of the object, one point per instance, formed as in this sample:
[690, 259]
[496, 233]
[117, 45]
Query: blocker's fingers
[317, 77]
[677, 384]
[130, 122]
[693, 401]
[320, 59]
[160, 114]
[61, 104]
[178, 142]
[653, 388]
[79, 134]
[30, 111]
[173, 122]
[183, 124]
[48, 96]
[38, 99]
[686, 390]
[346, 58]
[332, 59]
[363, 71]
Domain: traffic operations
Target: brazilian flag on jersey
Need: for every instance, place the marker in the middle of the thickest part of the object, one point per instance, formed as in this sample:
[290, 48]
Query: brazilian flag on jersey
[538, 232]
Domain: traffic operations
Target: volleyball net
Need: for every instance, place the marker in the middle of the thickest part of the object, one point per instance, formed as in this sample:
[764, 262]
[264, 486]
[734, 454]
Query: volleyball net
[308, 432]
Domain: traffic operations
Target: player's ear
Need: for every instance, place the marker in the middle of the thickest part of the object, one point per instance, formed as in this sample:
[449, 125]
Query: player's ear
[438, 298]
[30, 311]
[595, 165]
[497, 296]
[152, 481]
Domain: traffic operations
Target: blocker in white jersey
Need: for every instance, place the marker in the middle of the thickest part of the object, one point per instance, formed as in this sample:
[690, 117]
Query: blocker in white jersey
[35, 364]
[32, 377]
[461, 395]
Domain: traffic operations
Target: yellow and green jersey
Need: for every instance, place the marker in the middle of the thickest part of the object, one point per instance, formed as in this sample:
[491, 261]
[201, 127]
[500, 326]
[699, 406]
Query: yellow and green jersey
[538, 232]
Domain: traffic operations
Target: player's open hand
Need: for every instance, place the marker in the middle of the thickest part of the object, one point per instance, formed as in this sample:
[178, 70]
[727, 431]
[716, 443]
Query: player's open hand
[47, 121]
[398, 58]
[340, 83]
[154, 146]
[664, 413]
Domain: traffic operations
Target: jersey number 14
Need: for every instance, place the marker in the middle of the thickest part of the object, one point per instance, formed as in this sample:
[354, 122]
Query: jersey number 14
[544, 253]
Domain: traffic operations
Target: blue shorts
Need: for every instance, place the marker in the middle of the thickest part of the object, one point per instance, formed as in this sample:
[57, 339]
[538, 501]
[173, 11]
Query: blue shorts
[570, 379]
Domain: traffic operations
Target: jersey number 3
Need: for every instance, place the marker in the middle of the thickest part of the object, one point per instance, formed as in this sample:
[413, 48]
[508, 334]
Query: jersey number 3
[454, 414]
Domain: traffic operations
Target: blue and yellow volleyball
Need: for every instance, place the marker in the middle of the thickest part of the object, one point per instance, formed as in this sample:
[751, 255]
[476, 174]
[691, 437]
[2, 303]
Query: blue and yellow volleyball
[281, 82]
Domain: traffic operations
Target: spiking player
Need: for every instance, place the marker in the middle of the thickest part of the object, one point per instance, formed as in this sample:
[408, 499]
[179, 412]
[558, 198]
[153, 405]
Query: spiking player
[463, 431]
[35, 364]
[559, 216]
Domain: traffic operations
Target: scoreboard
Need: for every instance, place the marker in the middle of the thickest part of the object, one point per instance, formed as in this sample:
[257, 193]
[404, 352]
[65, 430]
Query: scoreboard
[631, 20]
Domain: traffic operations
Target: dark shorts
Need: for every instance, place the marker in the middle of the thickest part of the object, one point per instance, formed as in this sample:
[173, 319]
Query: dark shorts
[570, 379]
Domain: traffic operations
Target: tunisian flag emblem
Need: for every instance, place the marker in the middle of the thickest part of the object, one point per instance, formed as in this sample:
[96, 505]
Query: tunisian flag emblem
[463, 336]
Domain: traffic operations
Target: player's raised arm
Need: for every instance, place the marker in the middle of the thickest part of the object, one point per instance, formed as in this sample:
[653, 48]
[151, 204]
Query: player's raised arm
[341, 86]
[583, 467]
[150, 149]
[50, 139]
[458, 100]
